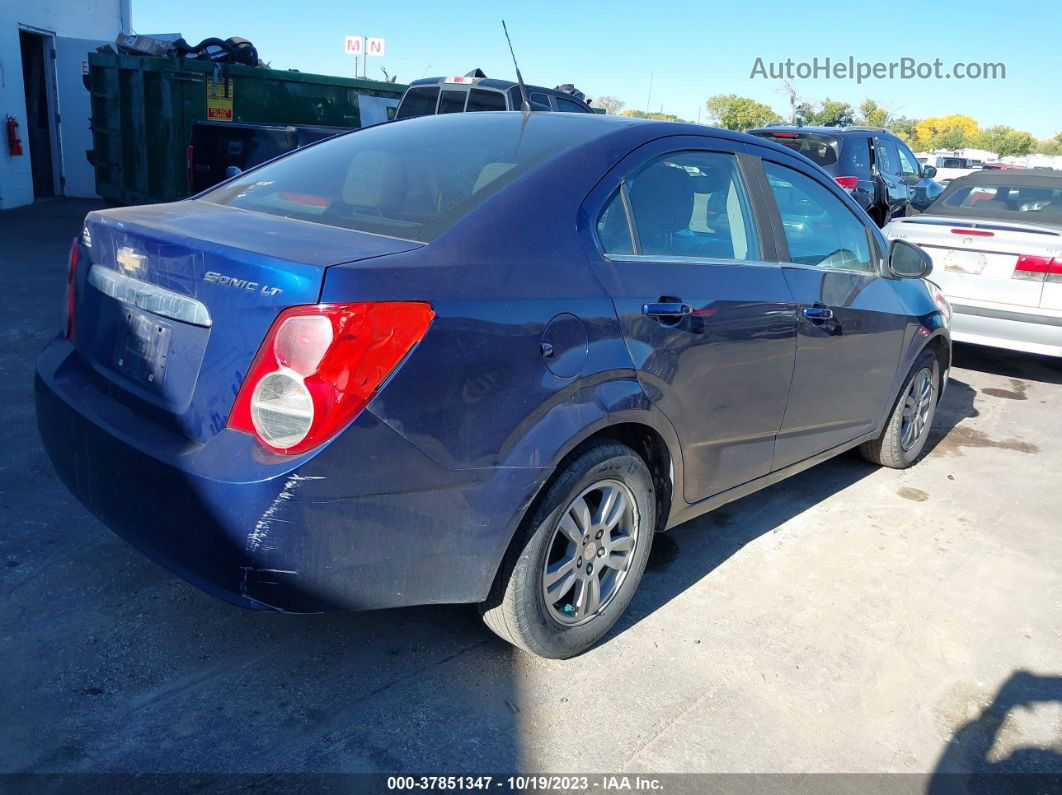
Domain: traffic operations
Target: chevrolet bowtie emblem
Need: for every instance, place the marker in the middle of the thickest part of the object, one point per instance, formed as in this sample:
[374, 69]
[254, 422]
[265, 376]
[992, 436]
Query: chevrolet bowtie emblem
[130, 262]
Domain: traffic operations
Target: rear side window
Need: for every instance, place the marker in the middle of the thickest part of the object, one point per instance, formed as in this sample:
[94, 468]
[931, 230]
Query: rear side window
[452, 101]
[418, 102]
[482, 99]
[612, 228]
[887, 156]
[856, 161]
[818, 228]
[688, 205]
[410, 181]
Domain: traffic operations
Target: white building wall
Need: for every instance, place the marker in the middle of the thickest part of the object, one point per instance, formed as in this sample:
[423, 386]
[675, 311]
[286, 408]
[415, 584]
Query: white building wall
[78, 19]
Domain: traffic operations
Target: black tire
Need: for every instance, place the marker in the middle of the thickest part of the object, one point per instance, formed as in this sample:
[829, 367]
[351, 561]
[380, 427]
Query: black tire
[516, 608]
[893, 448]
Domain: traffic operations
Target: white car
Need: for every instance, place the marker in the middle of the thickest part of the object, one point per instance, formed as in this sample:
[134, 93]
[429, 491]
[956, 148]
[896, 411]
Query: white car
[995, 238]
[949, 168]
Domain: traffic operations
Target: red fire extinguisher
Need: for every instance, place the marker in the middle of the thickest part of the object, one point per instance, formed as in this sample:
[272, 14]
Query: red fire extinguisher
[14, 145]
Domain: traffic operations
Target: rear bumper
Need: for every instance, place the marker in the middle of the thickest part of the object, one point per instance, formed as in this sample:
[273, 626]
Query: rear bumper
[1029, 331]
[368, 521]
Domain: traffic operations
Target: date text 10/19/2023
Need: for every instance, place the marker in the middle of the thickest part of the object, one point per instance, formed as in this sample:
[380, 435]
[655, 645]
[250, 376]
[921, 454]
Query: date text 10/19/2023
[544, 783]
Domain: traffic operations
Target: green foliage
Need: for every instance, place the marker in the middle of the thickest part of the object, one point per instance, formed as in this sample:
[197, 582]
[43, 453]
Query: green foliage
[739, 113]
[829, 113]
[904, 129]
[871, 114]
[640, 114]
[612, 105]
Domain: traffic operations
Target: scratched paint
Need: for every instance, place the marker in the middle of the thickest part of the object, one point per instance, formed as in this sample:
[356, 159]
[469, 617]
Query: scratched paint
[256, 538]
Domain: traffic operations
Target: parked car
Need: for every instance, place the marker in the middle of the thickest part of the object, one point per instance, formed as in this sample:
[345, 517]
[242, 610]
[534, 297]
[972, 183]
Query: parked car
[474, 92]
[873, 165]
[479, 358]
[995, 238]
[952, 167]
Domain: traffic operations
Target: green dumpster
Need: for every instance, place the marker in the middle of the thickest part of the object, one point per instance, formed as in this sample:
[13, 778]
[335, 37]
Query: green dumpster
[143, 109]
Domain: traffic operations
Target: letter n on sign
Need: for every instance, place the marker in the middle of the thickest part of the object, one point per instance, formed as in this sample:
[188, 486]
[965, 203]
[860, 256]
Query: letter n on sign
[375, 47]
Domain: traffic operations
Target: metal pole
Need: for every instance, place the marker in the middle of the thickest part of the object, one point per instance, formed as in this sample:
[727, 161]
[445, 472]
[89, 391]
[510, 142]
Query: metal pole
[365, 60]
[650, 97]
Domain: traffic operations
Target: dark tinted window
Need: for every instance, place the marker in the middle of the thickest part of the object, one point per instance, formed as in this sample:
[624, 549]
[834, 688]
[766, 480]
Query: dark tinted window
[482, 99]
[692, 205]
[612, 228]
[569, 106]
[888, 159]
[856, 161]
[452, 101]
[418, 102]
[411, 180]
[819, 149]
[818, 227]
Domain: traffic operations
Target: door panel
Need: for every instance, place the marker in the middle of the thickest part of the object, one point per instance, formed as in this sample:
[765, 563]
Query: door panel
[850, 321]
[719, 367]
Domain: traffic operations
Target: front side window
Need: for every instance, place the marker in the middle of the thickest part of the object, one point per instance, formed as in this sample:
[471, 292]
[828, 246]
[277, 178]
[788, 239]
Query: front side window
[689, 205]
[908, 162]
[819, 229]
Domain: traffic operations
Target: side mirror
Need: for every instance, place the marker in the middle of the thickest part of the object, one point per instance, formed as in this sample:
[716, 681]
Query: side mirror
[233, 171]
[929, 172]
[907, 261]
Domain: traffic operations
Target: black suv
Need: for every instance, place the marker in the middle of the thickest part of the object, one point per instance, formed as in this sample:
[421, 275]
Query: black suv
[873, 165]
[431, 95]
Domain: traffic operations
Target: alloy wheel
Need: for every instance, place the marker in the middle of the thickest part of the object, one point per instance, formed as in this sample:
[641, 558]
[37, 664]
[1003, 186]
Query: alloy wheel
[917, 403]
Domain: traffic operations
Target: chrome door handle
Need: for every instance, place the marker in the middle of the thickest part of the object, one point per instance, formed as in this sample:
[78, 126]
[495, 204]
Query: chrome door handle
[818, 314]
[666, 310]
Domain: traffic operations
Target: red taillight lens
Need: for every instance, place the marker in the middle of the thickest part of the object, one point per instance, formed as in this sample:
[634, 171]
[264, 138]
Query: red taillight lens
[1038, 269]
[71, 284]
[973, 232]
[318, 368]
[848, 183]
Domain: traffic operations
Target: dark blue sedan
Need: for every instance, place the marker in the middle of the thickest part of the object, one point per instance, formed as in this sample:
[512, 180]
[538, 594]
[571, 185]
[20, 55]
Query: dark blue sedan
[479, 358]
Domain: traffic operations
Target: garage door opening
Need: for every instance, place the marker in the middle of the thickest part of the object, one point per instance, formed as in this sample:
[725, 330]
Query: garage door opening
[38, 79]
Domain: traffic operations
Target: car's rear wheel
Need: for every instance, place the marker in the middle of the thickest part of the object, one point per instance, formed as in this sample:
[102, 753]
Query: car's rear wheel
[579, 557]
[906, 432]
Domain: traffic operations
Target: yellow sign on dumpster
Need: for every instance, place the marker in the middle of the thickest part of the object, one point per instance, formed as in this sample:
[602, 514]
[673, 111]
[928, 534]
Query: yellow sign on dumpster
[219, 100]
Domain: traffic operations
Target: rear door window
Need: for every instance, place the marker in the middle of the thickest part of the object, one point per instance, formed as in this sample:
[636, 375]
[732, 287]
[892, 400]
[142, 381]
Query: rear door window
[452, 101]
[819, 229]
[419, 101]
[887, 157]
[688, 205]
[482, 99]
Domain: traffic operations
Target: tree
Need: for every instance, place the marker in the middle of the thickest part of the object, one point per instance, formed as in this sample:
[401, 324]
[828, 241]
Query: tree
[871, 114]
[641, 114]
[946, 132]
[828, 113]
[612, 105]
[904, 129]
[739, 113]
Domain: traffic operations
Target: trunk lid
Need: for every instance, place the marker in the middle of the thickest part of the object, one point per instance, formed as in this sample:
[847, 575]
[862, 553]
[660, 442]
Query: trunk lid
[178, 298]
[976, 260]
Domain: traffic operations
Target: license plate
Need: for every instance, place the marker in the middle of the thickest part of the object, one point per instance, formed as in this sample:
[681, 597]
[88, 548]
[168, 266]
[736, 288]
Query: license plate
[965, 261]
[141, 348]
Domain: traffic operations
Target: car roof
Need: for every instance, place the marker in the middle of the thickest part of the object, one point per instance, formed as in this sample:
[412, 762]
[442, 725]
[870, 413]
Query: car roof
[488, 82]
[820, 130]
[1017, 177]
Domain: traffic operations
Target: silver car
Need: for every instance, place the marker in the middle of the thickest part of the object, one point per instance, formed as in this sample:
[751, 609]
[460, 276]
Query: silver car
[995, 238]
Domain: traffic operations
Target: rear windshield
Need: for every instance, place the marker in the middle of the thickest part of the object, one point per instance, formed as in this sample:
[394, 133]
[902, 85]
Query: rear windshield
[819, 149]
[418, 102]
[1031, 202]
[412, 179]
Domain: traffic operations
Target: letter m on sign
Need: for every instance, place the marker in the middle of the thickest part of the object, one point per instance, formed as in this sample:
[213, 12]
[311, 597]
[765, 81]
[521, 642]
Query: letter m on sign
[352, 45]
[375, 47]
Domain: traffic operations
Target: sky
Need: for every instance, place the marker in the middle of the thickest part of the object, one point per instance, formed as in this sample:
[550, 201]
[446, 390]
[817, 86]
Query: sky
[669, 54]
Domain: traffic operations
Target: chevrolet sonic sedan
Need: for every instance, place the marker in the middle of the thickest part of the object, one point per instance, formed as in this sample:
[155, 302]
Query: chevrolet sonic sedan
[479, 358]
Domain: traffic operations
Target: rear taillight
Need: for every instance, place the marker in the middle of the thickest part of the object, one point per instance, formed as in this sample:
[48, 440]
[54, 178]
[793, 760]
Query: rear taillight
[71, 284]
[973, 232]
[318, 368]
[1038, 269]
[189, 164]
[848, 183]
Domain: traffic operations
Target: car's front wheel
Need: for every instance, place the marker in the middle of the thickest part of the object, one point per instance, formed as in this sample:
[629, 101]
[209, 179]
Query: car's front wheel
[907, 430]
[579, 557]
